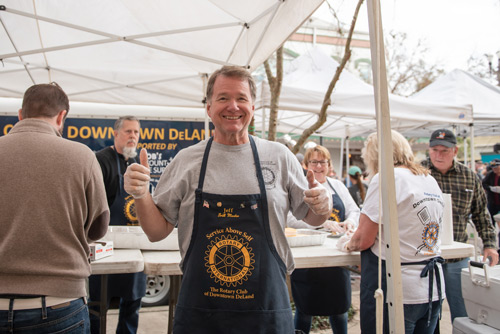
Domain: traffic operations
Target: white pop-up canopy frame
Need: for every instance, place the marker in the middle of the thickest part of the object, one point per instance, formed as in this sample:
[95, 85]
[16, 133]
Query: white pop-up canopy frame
[352, 109]
[138, 52]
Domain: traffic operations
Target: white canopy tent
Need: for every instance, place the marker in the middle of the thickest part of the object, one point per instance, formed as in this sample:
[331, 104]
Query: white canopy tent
[352, 109]
[138, 53]
[460, 87]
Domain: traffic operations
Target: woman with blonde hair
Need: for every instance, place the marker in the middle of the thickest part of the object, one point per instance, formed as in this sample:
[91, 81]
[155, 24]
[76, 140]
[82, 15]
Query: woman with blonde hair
[325, 291]
[420, 210]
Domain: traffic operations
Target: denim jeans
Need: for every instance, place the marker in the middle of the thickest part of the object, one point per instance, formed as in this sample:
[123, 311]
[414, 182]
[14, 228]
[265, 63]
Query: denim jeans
[71, 319]
[453, 281]
[337, 321]
[416, 318]
[128, 318]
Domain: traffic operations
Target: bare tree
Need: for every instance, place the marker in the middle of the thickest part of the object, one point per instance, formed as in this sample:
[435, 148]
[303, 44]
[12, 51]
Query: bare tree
[327, 99]
[275, 83]
[484, 68]
[407, 68]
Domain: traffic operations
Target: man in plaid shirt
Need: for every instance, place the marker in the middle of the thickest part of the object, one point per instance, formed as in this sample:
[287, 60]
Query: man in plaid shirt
[468, 202]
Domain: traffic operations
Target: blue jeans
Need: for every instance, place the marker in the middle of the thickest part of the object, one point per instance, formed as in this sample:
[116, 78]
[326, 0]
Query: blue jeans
[71, 319]
[416, 317]
[128, 318]
[453, 281]
[337, 321]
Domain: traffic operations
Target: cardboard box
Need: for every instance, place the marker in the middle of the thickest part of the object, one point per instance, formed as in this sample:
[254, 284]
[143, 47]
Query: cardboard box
[481, 292]
[133, 237]
[100, 249]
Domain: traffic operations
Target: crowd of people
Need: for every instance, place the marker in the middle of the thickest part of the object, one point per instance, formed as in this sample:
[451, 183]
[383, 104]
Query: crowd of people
[231, 220]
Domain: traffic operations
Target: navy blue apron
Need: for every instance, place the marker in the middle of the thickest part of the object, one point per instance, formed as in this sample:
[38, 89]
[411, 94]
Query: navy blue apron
[122, 212]
[233, 278]
[323, 291]
[369, 284]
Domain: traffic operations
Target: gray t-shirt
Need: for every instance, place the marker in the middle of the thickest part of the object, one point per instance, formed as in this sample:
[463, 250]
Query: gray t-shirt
[231, 171]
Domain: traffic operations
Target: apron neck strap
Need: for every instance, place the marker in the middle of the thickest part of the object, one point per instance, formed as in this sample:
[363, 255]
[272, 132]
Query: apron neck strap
[203, 169]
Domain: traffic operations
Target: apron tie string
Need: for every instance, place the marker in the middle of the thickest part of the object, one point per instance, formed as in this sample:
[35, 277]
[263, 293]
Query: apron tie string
[428, 270]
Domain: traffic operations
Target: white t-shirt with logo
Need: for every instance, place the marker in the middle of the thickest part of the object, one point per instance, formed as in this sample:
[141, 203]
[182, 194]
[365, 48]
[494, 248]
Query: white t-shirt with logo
[420, 212]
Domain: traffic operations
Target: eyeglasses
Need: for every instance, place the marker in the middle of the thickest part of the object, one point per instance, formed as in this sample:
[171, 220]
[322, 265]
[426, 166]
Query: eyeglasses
[318, 162]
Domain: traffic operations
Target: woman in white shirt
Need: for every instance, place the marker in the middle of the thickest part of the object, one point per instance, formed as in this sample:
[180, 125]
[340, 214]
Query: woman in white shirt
[325, 291]
[420, 211]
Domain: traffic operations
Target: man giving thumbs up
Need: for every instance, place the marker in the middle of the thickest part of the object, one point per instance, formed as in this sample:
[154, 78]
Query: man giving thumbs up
[229, 196]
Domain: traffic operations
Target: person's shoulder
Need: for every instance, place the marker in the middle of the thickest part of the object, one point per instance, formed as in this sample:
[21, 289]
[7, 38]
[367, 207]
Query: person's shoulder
[335, 182]
[426, 163]
[461, 168]
[105, 152]
[76, 146]
[268, 143]
[76, 151]
[489, 175]
[277, 149]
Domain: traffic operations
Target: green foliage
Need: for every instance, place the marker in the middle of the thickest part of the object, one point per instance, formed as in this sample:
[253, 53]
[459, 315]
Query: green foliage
[323, 322]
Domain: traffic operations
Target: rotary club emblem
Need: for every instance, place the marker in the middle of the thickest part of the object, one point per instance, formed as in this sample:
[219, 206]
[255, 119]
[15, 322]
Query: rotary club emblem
[229, 261]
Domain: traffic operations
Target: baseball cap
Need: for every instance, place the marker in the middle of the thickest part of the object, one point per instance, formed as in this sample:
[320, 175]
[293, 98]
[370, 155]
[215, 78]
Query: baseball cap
[495, 162]
[354, 169]
[443, 137]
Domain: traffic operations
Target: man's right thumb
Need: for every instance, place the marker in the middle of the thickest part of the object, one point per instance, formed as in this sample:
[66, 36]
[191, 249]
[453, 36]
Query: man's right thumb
[144, 158]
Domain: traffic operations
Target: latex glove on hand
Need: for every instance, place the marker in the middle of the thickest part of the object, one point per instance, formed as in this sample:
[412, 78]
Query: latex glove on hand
[495, 189]
[347, 225]
[343, 242]
[317, 197]
[333, 227]
[136, 178]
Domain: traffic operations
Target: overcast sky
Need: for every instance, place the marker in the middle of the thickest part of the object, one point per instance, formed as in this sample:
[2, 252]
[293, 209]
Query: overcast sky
[452, 29]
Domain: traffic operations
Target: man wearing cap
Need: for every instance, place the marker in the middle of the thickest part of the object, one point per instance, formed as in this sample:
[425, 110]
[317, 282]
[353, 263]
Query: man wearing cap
[491, 184]
[469, 199]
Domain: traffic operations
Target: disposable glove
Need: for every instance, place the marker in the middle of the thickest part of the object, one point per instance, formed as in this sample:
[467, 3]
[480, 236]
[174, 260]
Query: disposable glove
[342, 243]
[136, 178]
[317, 197]
[495, 189]
[332, 226]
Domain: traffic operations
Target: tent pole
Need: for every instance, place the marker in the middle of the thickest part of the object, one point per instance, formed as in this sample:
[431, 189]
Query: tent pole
[204, 78]
[466, 150]
[341, 163]
[387, 192]
[472, 153]
[347, 180]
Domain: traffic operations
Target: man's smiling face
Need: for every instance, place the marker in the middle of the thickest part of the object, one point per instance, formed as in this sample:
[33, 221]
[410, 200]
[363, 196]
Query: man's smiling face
[231, 110]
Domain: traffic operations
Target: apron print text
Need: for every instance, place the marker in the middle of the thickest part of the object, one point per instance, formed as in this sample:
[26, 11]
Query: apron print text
[229, 293]
[228, 213]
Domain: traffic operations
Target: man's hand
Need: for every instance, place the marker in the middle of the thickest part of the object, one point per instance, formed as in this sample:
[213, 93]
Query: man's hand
[136, 178]
[492, 254]
[317, 197]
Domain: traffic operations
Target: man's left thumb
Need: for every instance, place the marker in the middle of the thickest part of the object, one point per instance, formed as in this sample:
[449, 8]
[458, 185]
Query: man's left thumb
[310, 179]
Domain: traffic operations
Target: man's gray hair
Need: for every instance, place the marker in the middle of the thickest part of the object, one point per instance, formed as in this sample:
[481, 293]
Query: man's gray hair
[119, 121]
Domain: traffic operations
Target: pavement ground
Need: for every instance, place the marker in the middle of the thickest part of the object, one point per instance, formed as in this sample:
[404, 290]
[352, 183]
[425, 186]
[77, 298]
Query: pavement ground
[154, 320]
